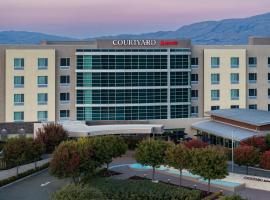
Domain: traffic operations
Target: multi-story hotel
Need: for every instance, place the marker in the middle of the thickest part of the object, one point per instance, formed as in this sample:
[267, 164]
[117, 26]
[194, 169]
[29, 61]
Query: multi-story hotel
[160, 80]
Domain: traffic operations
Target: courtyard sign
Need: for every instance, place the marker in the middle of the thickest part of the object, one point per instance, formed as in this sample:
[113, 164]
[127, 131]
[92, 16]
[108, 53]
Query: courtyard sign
[134, 42]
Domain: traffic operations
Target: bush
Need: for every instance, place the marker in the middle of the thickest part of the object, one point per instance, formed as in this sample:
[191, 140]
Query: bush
[257, 142]
[233, 197]
[78, 192]
[142, 189]
[19, 151]
[51, 135]
[265, 160]
[194, 143]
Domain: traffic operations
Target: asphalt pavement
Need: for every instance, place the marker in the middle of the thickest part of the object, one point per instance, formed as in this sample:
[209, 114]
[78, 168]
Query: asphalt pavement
[37, 187]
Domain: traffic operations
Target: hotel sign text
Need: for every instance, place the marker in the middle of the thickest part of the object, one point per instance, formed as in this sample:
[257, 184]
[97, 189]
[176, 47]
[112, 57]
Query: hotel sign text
[144, 42]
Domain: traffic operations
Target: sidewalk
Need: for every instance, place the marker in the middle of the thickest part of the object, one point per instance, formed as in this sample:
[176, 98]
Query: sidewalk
[4, 174]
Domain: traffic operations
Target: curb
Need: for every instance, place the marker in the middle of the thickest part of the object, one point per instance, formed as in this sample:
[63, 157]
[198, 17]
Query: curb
[23, 178]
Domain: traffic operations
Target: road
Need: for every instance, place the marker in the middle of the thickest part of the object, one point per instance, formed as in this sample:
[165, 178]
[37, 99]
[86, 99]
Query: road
[40, 187]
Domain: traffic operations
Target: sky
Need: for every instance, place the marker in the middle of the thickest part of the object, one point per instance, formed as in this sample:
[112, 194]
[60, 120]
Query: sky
[91, 18]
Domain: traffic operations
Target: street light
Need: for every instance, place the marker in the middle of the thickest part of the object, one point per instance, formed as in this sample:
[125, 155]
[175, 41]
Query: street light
[232, 150]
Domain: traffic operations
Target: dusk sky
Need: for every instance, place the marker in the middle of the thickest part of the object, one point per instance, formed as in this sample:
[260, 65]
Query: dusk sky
[89, 18]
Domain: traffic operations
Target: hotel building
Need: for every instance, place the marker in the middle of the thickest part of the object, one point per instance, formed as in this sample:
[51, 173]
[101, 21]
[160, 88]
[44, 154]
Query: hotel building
[163, 81]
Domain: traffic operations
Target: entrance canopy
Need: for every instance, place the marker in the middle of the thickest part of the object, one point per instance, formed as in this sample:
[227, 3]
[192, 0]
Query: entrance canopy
[224, 130]
[80, 129]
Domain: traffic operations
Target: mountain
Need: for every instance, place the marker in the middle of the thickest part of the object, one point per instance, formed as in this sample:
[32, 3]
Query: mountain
[24, 37]
[228, 31]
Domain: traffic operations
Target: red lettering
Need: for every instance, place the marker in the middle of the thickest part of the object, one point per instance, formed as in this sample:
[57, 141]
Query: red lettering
[168, 43]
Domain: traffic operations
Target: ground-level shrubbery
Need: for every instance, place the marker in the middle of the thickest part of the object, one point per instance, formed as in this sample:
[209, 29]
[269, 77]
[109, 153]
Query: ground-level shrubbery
[233, 197]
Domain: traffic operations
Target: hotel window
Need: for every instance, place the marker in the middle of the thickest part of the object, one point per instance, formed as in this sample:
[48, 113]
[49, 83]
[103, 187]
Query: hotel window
[214, 108]
[64, 97]
[252, 77]
[42, 98]
[194, 111]
[194, 62]
[268, 77]
[215, 62]
[18, 116]
[252, 61]
[234, 62]
[64, 63]
[64, 114]
[194, 78]
[18, 63]
[42, 116]
[42, 63]
[64, 80]
[234, 94]
[215, 79]
[234, 78]
[268, 61]
[234, 106]
[42, 81]
[214, 95]
[252, 93]
[253, 106]
[268, 93]
[18, 99]
[194, 94]
[268, 107]
[18, 81]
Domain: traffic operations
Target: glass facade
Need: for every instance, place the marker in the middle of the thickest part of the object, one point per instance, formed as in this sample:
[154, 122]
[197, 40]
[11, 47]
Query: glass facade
[132, 86]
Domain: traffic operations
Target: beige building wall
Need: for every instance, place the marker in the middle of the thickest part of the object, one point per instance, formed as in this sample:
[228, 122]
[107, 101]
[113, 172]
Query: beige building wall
[225, 86]
[31, 89]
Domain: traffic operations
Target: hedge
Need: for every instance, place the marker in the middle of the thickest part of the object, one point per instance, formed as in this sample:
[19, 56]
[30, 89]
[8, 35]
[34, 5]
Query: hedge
[21, 175]
[142, 189]
[233, 197]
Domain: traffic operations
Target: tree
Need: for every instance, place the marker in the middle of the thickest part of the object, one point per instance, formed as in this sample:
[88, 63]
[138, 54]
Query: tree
[246, 155]
[265, 160]
[178, 156]
[152, 153]
[194, 143]
[209, 163]
[267, 141]
[51, 135]
[257, 142]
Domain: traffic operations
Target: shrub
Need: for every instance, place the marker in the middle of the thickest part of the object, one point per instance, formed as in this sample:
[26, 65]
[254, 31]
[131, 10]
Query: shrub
[51, 135]
[265, 160]
[194, 143]
[233, 197]
[142, 189]
[78, 192]
[257, 142]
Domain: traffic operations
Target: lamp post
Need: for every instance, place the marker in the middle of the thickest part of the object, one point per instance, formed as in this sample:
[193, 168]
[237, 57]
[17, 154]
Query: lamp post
[232, 150]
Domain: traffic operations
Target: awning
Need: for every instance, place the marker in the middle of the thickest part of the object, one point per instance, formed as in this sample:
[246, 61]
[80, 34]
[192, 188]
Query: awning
[80, 129]
[224, 130]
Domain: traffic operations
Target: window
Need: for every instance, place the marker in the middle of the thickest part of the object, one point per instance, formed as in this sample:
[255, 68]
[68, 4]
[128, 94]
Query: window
[252, 77]
[234, 78]
[268, 107]
[18, 116]
[194, 78]
[268, 93]
[252, 93]
[18, 81]
[194, 111]
[18, 99]
[268, 77]
[214, 95]
[42, 63]
[42, 98]
[234, 94]
[215, 79]
[252, 61]
[42, 81]
[268, 61]
[194, 62]
[214, 108]
[234, 106]
[64, 114]
[215, 62]
[194, 94]
[234, 62]
[64, 63]
[253, 106]
[42, 116]
[18, 63]
[64, 97]
[64, 80]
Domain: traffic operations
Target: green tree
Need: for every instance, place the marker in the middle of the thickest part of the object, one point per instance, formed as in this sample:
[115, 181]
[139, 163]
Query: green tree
[152, 153]
[179, 157]
[51, 135]
[209, 163]
[267, 141]
[247, 156]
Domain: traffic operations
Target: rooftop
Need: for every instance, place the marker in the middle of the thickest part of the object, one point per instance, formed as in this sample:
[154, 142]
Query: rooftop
[253, 117]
